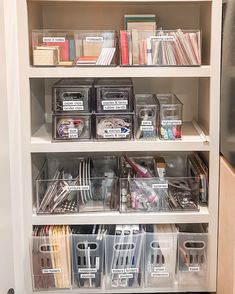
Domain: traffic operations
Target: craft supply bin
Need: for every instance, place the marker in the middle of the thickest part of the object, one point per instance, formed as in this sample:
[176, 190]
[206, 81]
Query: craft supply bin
[95, 48]
[72, 95]
[114, 95]
[71, 127]
[146, 111]
[114, 126]
[158, 195]
[171, 115]
[124, 261]
[192, 257]
[88, 260]
[160, 48]
[48, 264]
[53, 48]
[160, 260]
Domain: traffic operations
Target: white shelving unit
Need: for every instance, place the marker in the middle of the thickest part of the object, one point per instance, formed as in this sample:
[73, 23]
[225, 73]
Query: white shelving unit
[199, 88]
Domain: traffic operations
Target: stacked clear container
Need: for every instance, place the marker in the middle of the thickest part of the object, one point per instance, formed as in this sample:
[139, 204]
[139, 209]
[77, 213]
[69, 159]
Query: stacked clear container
[114, 117]
[192, 257]
[146, 112]
[160, 48]
[73, 185]
[74, 48]
[71, 106]
[170, 118]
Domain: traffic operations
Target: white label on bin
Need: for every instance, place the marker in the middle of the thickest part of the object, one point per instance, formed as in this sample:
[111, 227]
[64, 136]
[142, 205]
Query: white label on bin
[169, 122]
[69, 108]
[131, 270]
[87, 276]
[73, 133]
[163, 38]
[83, 188]
[87, 270]
[146, 128]
[146, 123]
[114, 102]
[117, 133]
[51, 270]
[53, 39]
[125, 276]
[194, 268]
[160, 275]
[72, 105]
[114, 107]
[117, 271]
[160, 186]
[94, 39]
[159, 269]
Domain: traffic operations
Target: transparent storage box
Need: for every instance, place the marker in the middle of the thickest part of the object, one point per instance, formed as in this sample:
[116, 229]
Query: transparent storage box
[157, 195]
[114, 95]
[77, 185]
[71, 127]
[88, 260]
[95, 48]
[72, 95]
[160, 260]
[114, 126]
[160, 48]
[124, 261]
[171, 115]
[192, 259]
[53, 48]
[146, 110]
[51, 262]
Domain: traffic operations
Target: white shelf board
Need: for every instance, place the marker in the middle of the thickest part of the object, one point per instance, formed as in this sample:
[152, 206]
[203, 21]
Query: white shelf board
[115, 217]
[58, 72]
[191, 141]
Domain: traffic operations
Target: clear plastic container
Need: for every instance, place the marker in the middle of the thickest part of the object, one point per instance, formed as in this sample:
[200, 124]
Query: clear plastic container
[71, 127]
[156, 194]
[72, 95]
[124, 261]
[160, 48]
[146, 110]
[53, 48]
[77, 185]
[51, 262]
[160, 260]
[88, 260]
[114, 126]
[95, 48]
[171, 115]
[192, 258]
[114, 95]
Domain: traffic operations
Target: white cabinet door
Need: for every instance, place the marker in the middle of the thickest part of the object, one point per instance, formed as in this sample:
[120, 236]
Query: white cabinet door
[6, 243]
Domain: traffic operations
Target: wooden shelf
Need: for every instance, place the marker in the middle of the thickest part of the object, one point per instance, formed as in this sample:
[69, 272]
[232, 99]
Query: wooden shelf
[191, 141]
[80, 72]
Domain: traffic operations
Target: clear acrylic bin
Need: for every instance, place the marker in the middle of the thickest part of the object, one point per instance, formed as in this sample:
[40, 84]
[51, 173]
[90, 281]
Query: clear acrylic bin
[114, 95]
[146, 110]
[160, 48]
[192, 259]
[88, 261]
[160, 260]
[155, 194]
[77, 185]
[72, 95]
[124, 261]
[171, 115]
[53, 48]
[71, 127]
[114, 126]
[95, 48]
[51, 262]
